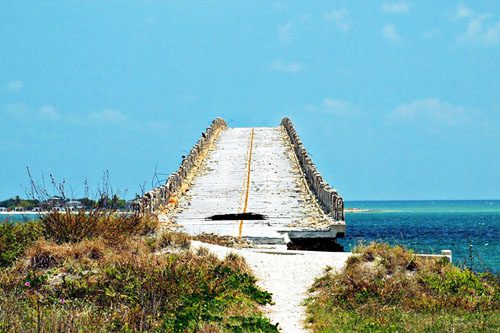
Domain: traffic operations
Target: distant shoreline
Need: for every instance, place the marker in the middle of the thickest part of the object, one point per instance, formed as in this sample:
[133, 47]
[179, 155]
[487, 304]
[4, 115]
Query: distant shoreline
[30, 212]
[23, 213]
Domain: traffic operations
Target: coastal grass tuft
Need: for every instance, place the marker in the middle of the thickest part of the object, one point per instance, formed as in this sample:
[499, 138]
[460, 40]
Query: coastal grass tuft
[60, 280]
[72, 227]
[390, 289]
[173, 239]
[223, 240]
[126, 287]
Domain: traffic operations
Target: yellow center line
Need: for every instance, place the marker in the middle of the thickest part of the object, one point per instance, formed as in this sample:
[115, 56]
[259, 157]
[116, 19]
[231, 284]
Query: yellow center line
[244, 181]
[249, 162]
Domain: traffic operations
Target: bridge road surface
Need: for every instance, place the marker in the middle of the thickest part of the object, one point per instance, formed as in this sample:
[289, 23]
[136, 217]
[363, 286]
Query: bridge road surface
[247, 172]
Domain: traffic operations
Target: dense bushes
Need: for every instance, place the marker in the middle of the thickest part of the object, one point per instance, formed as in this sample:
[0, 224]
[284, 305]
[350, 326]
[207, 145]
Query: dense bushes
[15, 238]
[70, 272]
[120, 287]
[388, 289]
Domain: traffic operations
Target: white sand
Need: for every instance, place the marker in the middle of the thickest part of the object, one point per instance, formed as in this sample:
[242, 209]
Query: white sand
[287, 275]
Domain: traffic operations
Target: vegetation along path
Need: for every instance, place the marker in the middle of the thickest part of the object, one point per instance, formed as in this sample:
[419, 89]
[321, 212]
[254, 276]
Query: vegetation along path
[287, 275]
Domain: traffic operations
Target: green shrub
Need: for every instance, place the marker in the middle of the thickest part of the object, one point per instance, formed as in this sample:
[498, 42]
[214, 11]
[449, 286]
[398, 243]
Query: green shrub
[127, 287]
[390, 289]
[15, 238]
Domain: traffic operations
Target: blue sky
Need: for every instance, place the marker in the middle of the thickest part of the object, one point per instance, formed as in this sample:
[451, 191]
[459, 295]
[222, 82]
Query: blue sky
[393, 99]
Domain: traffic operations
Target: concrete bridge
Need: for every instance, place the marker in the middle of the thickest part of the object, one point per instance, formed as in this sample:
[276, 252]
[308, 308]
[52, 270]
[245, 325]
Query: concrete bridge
[257, 183]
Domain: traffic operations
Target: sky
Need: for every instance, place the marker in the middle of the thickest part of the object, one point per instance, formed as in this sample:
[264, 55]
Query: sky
[392, 99]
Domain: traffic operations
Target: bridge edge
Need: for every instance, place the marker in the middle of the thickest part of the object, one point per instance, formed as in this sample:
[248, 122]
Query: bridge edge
[330, 200]
[160, 196]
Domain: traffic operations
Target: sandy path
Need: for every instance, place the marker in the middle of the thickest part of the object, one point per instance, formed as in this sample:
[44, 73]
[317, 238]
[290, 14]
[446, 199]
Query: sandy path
[287, 275]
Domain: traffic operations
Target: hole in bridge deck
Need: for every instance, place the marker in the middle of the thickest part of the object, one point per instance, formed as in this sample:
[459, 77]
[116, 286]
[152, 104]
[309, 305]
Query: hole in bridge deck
[237, 217]
[315, 244]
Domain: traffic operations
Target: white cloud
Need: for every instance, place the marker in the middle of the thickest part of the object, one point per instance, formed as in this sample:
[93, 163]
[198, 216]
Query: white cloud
[17, 110]
[48, 111]
[463, 11]
[112, 116]
[306, 17]
[15, 85]
[432, 111]
[280, 6]
[432, 33]
[340, 18]
[27, 112]
[395, 7]
[389, 32]
[335, 107]
[285, 33]
[492, 34]
[188, 98]
[338, 107]
[286, 67]
[481, 28]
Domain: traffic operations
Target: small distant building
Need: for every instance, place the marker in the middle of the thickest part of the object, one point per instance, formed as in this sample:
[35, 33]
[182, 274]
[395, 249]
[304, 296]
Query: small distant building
[37, 209]
[19, 209]
[56, 201]
[3, 209]
[74, 205]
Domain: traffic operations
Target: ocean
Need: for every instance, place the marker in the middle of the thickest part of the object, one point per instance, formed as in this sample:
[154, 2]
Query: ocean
[429, 227]
[424, 226]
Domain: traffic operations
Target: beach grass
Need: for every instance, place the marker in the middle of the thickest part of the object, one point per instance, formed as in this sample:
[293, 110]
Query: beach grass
[126, 281]
[390, 289]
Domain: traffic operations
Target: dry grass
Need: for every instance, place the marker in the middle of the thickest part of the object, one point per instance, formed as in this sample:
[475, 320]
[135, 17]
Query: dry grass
[228, 241]
[102, 271]
[68, 226]
[237, 263]
[97, 285]
[387, 288]
[170, 238]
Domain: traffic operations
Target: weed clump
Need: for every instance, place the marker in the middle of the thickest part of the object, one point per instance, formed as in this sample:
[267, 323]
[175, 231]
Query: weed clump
[170, 238]
[384, 288]
[102, 285]
[223, 240]
[72, 227]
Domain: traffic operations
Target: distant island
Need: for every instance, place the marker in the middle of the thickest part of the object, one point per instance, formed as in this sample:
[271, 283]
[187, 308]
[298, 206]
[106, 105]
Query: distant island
[18, 204]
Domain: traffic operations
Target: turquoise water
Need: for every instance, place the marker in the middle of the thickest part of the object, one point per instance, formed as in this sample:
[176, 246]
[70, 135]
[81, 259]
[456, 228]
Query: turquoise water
[425, 226]
[431, 226]
[19, 217]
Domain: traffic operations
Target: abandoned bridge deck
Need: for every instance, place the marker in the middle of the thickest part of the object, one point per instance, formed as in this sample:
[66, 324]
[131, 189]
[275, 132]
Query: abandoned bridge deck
[257, 171]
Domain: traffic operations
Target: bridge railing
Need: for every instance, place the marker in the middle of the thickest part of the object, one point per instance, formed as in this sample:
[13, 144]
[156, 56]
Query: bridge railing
[162, 195]
[330, 200]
